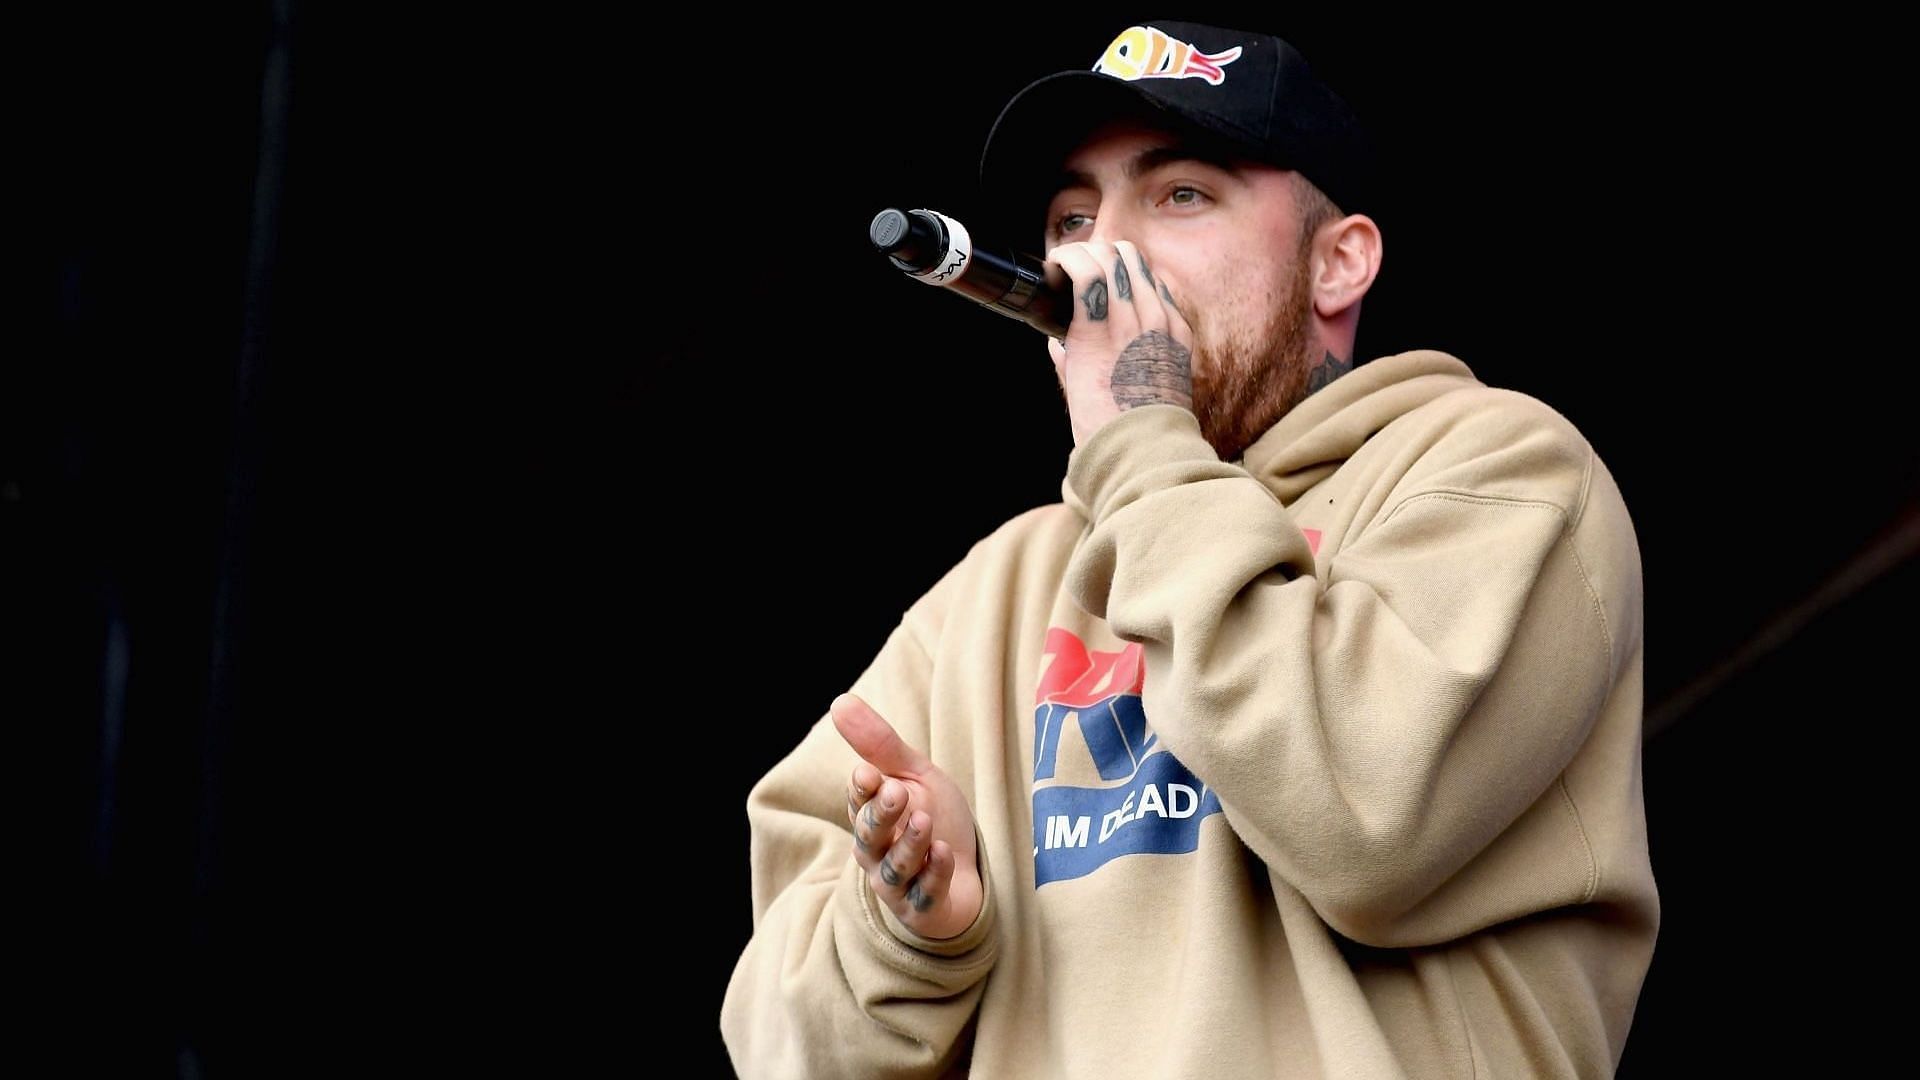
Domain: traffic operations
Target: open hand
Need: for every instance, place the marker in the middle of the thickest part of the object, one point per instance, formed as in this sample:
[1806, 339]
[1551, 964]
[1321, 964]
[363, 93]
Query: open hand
[912, 827]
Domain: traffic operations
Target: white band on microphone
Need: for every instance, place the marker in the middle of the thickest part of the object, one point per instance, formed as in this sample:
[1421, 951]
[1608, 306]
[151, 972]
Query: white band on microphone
[959, 250]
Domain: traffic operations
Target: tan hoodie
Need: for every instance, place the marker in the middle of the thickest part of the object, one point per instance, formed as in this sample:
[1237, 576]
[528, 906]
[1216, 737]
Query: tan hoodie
[1321, 763]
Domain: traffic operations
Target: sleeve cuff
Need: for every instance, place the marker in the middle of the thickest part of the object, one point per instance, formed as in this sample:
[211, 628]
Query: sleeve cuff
[965, 942]
[1136, 442]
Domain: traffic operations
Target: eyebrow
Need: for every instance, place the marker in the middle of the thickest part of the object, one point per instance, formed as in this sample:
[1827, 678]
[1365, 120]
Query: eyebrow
[1150, 159]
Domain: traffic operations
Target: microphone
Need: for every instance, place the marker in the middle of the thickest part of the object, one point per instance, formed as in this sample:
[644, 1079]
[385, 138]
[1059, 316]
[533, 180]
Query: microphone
[938, 250]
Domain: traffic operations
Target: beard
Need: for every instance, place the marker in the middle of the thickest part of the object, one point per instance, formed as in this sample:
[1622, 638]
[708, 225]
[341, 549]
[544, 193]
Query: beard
[1245, 380]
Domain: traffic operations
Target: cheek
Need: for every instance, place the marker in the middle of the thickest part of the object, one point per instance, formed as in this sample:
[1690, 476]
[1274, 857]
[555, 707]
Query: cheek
[1209, 299]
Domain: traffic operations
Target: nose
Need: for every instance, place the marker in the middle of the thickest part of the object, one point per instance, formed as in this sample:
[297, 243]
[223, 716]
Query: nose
[1111, 225]
[1115, 219]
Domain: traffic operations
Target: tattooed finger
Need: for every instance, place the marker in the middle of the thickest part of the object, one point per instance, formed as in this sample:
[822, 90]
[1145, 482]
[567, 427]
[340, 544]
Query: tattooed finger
[1094, 299]
[927, 889]
[1144, 305]
[909, 852]
[866, 828]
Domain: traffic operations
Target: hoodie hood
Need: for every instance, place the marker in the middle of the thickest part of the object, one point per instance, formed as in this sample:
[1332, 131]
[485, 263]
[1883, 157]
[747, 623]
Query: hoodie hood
[1317, 435]
[1312, 440]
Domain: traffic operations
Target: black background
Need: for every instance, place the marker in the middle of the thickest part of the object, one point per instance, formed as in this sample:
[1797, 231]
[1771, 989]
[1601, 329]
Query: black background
[480, 495]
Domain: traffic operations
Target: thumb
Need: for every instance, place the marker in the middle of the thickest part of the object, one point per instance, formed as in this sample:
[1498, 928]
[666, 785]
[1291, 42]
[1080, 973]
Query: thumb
[874, 739]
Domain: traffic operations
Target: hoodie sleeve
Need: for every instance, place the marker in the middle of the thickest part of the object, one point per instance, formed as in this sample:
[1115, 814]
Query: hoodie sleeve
[831, 984]
[1371, 731]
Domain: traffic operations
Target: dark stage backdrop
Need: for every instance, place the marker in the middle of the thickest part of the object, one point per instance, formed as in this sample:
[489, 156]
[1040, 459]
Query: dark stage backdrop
[457, 458]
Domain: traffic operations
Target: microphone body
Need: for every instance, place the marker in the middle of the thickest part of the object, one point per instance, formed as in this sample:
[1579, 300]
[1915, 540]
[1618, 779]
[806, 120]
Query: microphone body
[939, 250]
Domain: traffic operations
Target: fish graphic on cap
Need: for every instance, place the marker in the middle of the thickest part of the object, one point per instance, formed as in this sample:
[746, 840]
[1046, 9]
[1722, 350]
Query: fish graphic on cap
[1144, 52]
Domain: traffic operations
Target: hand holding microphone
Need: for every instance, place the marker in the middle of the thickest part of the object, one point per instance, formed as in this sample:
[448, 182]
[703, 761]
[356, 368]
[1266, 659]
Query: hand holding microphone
[939, 250]
[1131, 344]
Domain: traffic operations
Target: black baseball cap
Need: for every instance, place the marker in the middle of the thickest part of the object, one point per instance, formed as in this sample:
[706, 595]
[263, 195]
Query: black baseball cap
[1251, 94]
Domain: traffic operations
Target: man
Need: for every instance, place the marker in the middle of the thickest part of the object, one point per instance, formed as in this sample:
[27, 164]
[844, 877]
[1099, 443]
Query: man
[1301, 739]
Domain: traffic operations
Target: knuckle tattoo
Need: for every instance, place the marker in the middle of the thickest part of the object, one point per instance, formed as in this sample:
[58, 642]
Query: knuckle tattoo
[1095, 300]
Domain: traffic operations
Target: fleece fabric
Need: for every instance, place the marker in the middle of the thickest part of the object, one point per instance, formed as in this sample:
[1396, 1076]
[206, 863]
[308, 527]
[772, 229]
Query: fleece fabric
[1320, 763]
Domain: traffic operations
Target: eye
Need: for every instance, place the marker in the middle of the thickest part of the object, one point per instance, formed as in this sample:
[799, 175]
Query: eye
[1185, 196]
[1067, 223]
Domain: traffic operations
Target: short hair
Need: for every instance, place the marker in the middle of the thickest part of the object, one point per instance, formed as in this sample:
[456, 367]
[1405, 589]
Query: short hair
[1315, 208]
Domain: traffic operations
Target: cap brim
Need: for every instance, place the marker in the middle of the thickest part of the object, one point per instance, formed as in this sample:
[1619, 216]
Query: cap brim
[1043, 123]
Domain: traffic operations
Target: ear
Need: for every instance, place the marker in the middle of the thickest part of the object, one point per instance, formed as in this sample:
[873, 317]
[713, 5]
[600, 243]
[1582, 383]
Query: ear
[1346, 257]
